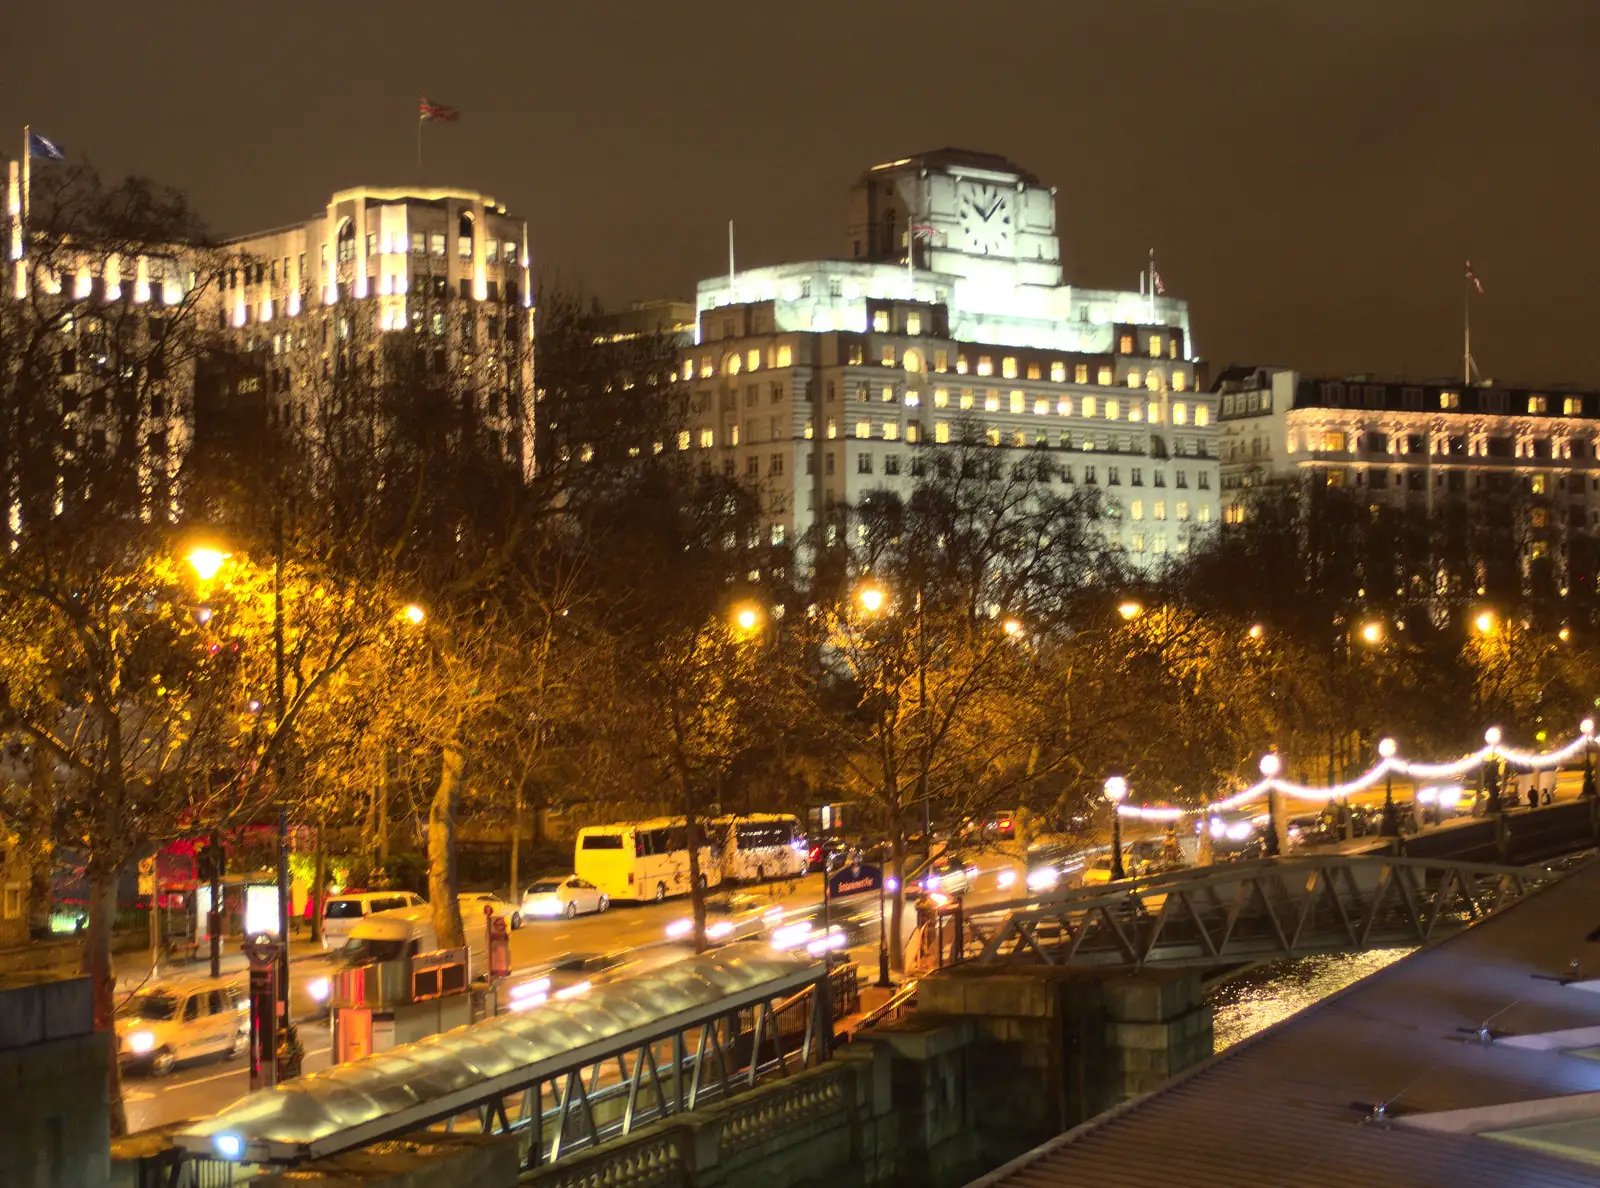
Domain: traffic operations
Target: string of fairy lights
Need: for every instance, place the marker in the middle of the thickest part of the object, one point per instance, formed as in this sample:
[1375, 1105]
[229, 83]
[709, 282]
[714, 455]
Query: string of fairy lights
[1389, 764]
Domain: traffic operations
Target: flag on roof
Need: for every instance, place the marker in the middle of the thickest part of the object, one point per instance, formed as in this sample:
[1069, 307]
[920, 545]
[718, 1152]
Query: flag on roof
[926, 230]
[1473, 277]
[437, 111]
[1155, 281]
[44, 148]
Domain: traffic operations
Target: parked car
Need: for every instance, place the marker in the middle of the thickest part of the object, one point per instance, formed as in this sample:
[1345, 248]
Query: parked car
[473, 904]
[562, 895]
[163, 1025]
[341, 913]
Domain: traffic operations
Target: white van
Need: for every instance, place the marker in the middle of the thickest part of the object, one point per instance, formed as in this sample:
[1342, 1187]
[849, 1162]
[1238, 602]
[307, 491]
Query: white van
[405, 932]
[341, 913]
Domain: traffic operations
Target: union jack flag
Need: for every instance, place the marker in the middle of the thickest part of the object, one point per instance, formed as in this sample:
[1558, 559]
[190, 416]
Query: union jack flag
[437, 111]
[1473, 277]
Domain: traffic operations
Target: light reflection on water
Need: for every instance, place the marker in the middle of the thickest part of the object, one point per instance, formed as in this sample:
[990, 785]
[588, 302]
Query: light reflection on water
[1258, 999]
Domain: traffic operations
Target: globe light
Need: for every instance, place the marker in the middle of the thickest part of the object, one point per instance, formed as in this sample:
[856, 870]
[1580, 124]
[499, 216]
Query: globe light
[206, 562]
[1012, 627]
[1130, 610]
[1372, 633]
[1485, 623]
[1386, 748]
[414, 614]
[871, 598]
[747, 617]
[1492, 736]
[1586, 726]
[1270, 765]
[1564, 634]
[1116, 789]
[1256, 631]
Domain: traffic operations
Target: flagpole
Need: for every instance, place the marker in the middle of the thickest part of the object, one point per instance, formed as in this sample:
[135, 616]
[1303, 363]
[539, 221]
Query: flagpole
[1466, 327]
[420, 122]
[730, 259]
[27, 172]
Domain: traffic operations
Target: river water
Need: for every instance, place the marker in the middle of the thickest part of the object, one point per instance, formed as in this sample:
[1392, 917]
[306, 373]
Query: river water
[1255, 1000]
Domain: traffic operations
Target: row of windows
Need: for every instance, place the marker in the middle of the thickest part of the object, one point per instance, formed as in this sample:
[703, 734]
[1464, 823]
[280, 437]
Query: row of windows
[1478, 445]
[1376, 396]
[268, 272]
[1246, 402]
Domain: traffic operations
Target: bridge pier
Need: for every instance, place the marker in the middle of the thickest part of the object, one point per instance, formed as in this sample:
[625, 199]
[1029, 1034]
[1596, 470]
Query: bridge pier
[1055, 1047]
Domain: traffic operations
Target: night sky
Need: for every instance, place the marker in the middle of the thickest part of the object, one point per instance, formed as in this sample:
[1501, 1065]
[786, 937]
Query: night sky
[1311, 174]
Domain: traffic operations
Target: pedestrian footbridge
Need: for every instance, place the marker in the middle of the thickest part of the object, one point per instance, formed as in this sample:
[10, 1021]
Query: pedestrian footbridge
[569, 1074]
[1235, 913]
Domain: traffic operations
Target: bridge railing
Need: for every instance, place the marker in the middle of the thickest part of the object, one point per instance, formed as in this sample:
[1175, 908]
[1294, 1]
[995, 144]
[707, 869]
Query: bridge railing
[1237, 912]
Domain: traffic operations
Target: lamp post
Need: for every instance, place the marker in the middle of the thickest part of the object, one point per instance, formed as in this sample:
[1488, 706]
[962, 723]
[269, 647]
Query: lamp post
[1270, 766]
[1391, 818]
[1587, 726]
[1116, 789]
[1491, 773]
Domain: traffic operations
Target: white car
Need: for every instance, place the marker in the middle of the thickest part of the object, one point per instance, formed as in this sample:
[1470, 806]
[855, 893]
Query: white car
[473, 903]
[160, 1026]
[563, 895]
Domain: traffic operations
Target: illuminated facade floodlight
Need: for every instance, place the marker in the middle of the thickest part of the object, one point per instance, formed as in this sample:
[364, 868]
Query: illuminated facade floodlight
[206, 562]
[1270, 765]
[1386, 748]
[1130, 610]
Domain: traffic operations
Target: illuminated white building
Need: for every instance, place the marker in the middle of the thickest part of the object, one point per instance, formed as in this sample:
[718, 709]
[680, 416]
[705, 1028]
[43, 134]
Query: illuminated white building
[449, 265]
[820, 379]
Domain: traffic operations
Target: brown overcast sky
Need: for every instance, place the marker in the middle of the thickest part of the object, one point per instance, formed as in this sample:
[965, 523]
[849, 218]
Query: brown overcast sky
[1311, 174]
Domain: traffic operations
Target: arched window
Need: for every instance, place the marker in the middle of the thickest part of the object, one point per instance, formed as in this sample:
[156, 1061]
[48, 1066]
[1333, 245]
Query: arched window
[912, 360]
[347, 241]
[464, 238]
[731, 363]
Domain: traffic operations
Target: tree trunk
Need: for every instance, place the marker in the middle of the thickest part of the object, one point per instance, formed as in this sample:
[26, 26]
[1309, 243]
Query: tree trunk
[897, 901]
[39, 844]
[96, 964]
[442, 813]
[516, 841]
[697, 892]
[319, 886]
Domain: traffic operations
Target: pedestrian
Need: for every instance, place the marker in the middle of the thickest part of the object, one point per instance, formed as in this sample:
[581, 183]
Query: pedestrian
[1533, 793]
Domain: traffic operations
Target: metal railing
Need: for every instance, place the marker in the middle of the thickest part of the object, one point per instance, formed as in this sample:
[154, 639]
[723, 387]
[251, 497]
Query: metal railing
[1238, 912]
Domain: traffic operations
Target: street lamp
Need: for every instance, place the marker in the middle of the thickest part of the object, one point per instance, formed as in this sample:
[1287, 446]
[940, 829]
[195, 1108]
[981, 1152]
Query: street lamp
[1130, 610]
[747, 617]
[1485, 623]
[1116, 789]
[1270, 766]
[414, 614]
[871, 597]
[1491, 765]
[1391, 819]
[1012, 626]
[1372, 633]
[1256, 631]
[206, 562]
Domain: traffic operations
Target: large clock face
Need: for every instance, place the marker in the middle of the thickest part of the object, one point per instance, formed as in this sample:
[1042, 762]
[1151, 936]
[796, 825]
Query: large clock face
[985, 214]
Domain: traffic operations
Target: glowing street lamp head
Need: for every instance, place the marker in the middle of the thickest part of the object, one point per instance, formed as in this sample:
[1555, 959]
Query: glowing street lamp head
[871, 598]
[747, 617]
[414, 614]
[1386, 748]
[1492, 736]
[1130, 610]
[1372, 632]
[1587, 726]
[1256, 631]
[1116, 789]
[206, 562]
[1270, 765]
[1485, 623]
[1564, 634]
[1012, 626]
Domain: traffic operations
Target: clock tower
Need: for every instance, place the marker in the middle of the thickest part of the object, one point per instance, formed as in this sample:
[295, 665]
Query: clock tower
[964, 213]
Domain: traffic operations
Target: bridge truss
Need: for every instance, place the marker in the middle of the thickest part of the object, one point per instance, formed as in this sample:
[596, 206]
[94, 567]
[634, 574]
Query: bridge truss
[1243, 912]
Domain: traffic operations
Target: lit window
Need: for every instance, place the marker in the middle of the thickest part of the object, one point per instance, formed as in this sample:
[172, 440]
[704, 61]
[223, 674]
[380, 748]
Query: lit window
[912, 361]
[708, 438]
[855, 354]
[1153, 412]
[891, 431]
[941, 398]
[733, 435]
[913, 398]
[1538, 484]
[1088, 406]
[1136, 510]
[941, 432]
[1113, 410]
[1180, 413]
[1041, 408]
[1202, 415]
[1172, 349]
[731, 363]
[785, 356]
[1080, 373]
[419, 247]
[1134, 379]
[811, 431]
[683, 439]
[1205, 513]
[752, 360]
[1008, 367]
[1449, 400]
[961, 365]
[1333, 442]
[1103, 377]
[1539, 517]
[1152, 380]
[863, 429]
[1019, 438]
[985, 365]
[887, 357]
[966, 398]
[913, 322]
[1058, 372]
[777, 534]
[1179, 380]
[1017, 402]
[833, 429]
[1538, 404]
[913, 432]
[1126, 344]
[1181, 509]
[991, 402]
[993, 437]
[880, 321]
[941, 361]
[1033, 371]
[1155, 346]
[1572, 406]
[1158, 510]
[705, 367]
[1138, 542]
[436, 243]
[886, 393]
[1064, 406]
